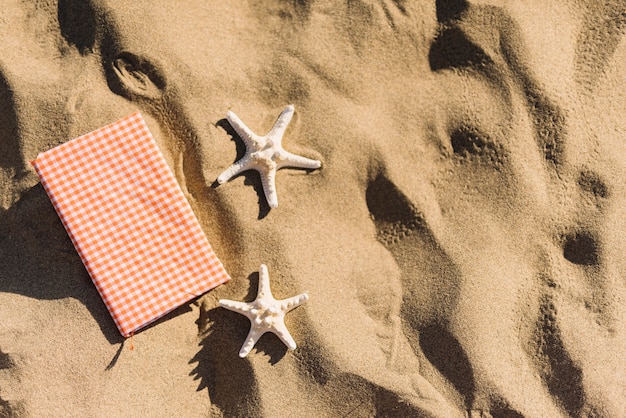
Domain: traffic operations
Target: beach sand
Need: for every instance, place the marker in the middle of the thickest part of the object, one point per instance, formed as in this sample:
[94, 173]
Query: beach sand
[461, 246]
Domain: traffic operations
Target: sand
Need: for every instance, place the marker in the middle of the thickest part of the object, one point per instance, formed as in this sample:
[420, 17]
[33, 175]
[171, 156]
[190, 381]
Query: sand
[462, 244]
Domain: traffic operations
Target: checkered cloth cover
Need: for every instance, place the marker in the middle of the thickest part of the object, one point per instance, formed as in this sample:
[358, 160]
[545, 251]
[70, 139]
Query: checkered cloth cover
[130, 222]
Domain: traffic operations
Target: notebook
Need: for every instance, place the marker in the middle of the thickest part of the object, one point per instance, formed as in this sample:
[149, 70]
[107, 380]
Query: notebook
[130, 222]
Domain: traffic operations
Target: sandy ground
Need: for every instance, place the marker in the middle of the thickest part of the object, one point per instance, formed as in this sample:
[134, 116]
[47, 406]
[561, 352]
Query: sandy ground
[462, 244]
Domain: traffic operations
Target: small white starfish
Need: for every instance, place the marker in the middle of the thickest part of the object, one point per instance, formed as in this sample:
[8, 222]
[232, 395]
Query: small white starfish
[265, 154]
[265, 313]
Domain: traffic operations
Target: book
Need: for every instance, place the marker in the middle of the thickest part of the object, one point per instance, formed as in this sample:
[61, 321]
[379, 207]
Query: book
[128, 218]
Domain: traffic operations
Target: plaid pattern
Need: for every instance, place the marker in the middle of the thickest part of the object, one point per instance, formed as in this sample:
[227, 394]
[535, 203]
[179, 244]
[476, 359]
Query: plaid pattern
[130, 222]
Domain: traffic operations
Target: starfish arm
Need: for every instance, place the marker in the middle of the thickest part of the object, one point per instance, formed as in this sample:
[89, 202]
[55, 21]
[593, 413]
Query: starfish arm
[279, 128]
[264, 283]
[238, 167]
[253, 336]
[287, 305]
[281, 331]
[297, 161]
[239, 307]
[268, 180]
[249, 138]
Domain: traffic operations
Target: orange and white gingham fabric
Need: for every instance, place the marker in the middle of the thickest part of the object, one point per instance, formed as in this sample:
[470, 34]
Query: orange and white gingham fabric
[130, 222]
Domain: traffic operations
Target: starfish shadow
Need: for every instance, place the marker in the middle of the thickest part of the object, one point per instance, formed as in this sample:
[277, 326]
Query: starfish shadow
[223, 332]
[218, 367]
[252, 178]
[240, 147]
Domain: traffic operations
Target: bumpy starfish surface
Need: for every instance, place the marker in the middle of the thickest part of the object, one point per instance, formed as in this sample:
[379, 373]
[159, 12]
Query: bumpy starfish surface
[265, 154]
[265, 313]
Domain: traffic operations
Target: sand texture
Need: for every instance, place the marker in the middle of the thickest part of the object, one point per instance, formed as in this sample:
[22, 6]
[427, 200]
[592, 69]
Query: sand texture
[462, 245]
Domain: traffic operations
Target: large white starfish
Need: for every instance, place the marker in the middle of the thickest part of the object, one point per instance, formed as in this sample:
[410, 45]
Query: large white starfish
[265, 154]
[265, 313]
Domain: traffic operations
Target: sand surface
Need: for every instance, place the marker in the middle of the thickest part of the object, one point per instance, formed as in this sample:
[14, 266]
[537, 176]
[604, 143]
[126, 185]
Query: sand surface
[462, 244]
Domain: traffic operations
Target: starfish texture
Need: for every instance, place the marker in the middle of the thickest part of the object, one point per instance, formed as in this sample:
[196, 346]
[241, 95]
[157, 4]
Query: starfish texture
[265, 154]
[265, 313]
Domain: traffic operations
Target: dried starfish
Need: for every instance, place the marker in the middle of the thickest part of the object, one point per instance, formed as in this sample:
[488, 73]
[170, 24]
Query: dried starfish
[265, 154]
[265, 313]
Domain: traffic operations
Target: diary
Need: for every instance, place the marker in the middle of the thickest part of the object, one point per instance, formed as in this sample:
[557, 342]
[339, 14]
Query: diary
[130, 222]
